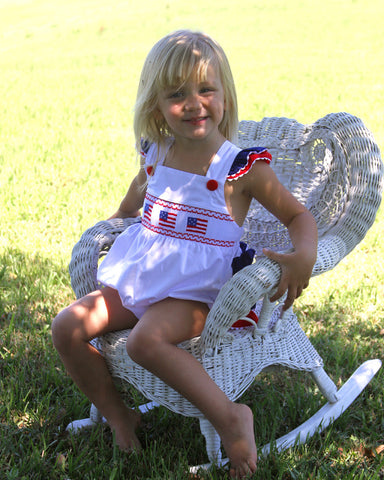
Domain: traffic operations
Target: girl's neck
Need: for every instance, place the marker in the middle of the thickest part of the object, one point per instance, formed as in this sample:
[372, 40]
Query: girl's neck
[193, 157]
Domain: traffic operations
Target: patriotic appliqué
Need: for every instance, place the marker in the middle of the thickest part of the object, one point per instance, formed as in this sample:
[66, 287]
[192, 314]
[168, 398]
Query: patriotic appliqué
[197, 225]
[167, 219]
[245, 159]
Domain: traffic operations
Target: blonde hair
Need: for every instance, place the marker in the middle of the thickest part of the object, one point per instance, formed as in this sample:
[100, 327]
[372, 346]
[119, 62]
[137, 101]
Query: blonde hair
[172, 61]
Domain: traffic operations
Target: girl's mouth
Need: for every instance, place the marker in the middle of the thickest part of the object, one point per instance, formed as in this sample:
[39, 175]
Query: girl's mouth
[197, 120]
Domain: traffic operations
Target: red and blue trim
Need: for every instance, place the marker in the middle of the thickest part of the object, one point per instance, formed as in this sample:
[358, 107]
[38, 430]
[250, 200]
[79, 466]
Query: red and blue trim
[245, 159]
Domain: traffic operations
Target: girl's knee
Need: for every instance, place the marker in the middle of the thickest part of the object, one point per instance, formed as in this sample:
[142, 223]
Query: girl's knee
[66, 327]
[60, 330]
[134, 346]
[141, 346]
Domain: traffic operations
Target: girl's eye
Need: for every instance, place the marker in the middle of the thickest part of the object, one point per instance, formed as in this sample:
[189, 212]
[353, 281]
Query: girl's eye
[175, 95]
[206, 90]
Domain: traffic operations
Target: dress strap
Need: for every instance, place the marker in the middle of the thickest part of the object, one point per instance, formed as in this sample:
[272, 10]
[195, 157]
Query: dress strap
[245, 160]
[221, 162]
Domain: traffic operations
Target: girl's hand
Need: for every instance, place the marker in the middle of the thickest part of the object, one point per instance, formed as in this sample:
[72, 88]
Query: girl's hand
[296, 272]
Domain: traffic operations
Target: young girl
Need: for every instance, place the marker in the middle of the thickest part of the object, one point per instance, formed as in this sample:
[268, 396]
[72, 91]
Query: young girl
[162, 275]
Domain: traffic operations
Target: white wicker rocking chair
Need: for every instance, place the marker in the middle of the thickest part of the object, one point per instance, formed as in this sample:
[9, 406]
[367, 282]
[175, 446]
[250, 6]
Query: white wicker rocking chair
[334, 168]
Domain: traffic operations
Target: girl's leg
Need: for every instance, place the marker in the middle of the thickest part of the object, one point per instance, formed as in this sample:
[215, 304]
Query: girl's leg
[92, 316]
[152, 344]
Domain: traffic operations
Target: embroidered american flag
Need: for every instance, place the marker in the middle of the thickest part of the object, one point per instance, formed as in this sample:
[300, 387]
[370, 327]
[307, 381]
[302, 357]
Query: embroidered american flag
[167, 219]
[147, 211]
[197, 225]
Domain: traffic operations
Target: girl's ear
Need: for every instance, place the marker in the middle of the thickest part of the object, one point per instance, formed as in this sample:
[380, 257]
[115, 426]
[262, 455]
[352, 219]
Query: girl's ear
[157, 114]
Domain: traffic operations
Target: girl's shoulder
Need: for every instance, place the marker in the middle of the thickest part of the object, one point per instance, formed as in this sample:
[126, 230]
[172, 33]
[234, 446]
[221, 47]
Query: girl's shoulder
[245, 159]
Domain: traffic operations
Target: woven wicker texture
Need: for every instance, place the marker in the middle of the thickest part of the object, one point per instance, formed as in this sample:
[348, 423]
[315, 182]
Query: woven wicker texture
[334, 168]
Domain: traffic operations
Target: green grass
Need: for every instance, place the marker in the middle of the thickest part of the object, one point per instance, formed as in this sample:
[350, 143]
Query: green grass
[68, 79]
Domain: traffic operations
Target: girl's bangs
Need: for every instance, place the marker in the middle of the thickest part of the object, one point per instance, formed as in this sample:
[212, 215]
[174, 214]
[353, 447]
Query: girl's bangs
[184, 63]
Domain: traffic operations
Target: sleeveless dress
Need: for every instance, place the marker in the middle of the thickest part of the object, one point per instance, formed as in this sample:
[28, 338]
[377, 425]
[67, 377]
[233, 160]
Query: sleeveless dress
[186, 241]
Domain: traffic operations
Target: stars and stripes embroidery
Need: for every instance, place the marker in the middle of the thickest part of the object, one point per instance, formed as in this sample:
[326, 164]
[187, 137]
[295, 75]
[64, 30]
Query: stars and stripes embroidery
[197, 225]
[167, 219]
[180, 220]
[147, 211]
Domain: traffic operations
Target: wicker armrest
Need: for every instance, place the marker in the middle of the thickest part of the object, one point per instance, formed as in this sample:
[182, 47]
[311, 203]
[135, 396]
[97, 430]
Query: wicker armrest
[87, 251]
[237, 297]
[331, 250]
[252, 283]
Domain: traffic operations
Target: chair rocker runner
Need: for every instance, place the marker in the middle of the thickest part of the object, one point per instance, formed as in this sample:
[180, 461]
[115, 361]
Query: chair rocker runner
[334, 168]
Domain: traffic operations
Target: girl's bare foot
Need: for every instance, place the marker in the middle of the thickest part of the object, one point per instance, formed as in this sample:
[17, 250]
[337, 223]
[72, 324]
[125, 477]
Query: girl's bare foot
[125, 432]
[239, 442]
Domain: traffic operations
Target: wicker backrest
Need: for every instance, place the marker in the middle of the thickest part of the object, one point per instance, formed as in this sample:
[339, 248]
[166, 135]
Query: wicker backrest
[332, 166]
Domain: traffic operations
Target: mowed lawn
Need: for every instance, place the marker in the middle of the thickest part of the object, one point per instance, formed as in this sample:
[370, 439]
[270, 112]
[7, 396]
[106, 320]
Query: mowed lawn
[68, 77]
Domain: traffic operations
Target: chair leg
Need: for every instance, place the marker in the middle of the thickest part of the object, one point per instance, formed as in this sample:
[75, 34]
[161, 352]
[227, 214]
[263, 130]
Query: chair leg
[212, 439]
[95, 415]
[94, 419]
[325, 384]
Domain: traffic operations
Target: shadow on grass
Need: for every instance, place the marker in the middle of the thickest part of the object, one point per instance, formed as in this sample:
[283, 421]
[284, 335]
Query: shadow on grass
[33, 289]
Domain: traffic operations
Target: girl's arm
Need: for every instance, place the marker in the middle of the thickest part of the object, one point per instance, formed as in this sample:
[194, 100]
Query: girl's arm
[262, 184]
[134, 198]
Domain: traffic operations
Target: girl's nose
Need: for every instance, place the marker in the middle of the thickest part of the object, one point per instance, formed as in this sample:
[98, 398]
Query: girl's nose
[192, 101]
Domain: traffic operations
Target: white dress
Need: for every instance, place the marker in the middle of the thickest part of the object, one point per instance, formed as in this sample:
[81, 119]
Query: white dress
[186, 241]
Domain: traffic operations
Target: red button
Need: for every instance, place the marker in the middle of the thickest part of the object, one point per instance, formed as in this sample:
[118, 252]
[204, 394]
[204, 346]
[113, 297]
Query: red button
[149, 170]
[212, 185]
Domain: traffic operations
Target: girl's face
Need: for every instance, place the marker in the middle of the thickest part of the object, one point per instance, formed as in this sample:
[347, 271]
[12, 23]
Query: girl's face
[194, 110]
